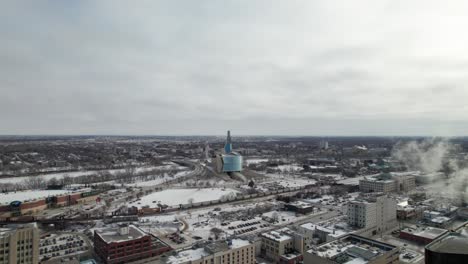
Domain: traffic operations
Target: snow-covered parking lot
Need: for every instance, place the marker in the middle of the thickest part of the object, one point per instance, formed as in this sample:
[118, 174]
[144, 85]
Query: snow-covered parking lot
[174, 197]
[60, 246]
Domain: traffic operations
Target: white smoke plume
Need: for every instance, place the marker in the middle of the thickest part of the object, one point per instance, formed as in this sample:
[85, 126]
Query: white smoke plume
[436, 160]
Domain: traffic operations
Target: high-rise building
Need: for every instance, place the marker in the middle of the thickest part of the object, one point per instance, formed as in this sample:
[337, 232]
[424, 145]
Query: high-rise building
[19, 244]
[375, 212]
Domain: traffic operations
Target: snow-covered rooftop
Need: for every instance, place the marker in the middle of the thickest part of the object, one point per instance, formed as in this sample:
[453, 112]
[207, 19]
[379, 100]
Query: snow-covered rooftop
[110, 235]
[352, 249]
[277, 236]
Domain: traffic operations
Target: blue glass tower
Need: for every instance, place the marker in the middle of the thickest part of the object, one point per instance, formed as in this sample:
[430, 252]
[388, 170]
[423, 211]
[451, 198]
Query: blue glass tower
[228, 146]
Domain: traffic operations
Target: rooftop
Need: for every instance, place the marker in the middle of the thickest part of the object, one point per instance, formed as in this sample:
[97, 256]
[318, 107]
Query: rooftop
[301, 204]
[334, 229]
[6, 229]
[351, 249]
[110, 235]
[426, 232]
[278, 235]
[195, 254]
[452, 242]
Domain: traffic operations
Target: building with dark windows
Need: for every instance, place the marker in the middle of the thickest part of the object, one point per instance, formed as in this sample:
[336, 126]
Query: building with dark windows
[127, 244]
[19, 244]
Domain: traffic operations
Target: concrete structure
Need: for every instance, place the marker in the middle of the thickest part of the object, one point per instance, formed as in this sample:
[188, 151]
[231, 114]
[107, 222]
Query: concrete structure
[449, 248]
[374, 212]
[282, 242]
[300, 207]
[387, 183]
[236, 251]
[435, 218]
[406, 212]
[127, 244]
[352, 249]
[423, 235]
[319, 233]
[229, 161]
[19, 244]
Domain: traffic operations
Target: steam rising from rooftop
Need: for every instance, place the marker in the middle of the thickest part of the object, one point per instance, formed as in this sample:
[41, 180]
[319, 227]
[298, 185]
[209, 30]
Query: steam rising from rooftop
[437, 160]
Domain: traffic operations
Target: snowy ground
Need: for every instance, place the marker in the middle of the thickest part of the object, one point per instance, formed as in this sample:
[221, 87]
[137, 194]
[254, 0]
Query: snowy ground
[290, 168]
[255, 161]
[278, 180]
[7, 198]
[201, 221]
[174, 197]
[73, 174]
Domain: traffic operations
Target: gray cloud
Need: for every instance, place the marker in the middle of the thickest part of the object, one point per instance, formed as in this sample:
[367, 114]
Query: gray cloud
[261, 67]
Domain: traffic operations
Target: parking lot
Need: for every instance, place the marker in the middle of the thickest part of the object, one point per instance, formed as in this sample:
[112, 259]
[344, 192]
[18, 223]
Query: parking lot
[62, 245]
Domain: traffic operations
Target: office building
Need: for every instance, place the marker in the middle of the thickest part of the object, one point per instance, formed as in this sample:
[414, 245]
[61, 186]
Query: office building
[19, 244]
[387, 183]
[374, 212]
[127, 244]
[279, 245]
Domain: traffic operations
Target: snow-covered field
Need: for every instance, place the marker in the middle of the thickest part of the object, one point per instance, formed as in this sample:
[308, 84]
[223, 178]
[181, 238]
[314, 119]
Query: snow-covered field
[6, 198]
[74, 174]
[181, 196]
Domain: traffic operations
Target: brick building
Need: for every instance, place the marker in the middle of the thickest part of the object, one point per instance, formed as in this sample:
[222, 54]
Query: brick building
[127, 244]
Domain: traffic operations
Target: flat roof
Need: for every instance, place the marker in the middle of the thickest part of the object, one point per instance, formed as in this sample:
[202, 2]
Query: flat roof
[352, 249]
[334, 229]
[277, 235]
[301, 204]
[426, 232]
[110, 235]
[452, 242]
[196, 254]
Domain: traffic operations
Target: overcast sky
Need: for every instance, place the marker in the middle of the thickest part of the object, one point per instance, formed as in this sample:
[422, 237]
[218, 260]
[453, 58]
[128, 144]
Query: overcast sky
[256, 67]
